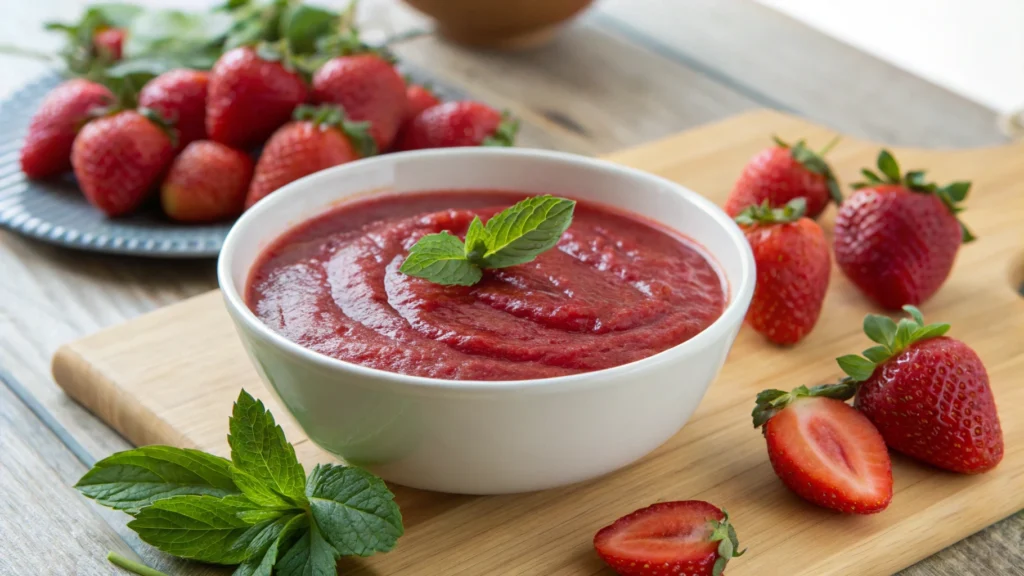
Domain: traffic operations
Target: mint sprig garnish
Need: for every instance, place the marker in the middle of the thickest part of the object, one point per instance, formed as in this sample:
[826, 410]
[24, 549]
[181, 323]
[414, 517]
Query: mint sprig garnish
[258, 510]
[892, 338]
[514, 236]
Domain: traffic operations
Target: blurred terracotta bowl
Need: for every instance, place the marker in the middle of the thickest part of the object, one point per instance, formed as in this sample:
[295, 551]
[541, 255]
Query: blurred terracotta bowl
[506, 24]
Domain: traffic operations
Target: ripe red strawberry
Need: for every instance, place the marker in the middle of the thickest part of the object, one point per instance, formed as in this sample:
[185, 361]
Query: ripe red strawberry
[419, 98]
[117, 159]
[669, 538]
[319, 138]
[825, 451]
[249, 97]
[368, 89]
[780, 174]
[207, 182]
[108, 42]
[179, 96]
[928, 394]
[453, 124]
[896, 238]
[793, 266]
[51, 133]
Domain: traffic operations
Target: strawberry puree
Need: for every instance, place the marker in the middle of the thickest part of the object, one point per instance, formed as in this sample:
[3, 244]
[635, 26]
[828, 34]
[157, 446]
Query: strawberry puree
[614, 290]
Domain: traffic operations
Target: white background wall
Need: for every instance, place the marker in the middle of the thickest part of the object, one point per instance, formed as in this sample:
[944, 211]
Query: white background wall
[972, 47]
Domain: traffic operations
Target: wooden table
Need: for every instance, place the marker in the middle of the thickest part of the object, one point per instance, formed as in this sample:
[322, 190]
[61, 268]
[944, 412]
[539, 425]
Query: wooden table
[628, 72]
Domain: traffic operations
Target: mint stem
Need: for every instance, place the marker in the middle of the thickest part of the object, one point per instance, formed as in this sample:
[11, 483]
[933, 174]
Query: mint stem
[132, 566]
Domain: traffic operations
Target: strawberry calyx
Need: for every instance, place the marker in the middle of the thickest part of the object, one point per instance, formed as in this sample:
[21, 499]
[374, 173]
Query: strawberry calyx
[723, 532]
[333, 116]
[770, 402]
[815, 162]
[505, 134]
[914, 180]
[765, 214]
[892, 338]
[165, 124]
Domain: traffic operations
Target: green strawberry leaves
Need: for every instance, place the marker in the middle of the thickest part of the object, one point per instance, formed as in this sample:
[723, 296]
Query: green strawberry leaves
[815, 162]
[952, 195]
[724, 533]
[892, 338]
[505, 134]
[514, 236]
[771, 402]
[333, 116]
[765, 214]
[258, 511]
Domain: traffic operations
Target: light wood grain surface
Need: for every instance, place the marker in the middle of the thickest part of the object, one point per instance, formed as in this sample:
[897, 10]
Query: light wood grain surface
[573, 95]
[167, 377]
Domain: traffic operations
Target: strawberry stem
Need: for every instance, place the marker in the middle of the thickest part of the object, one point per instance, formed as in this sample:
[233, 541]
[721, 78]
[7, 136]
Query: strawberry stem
[892, 338]
[831, 144]
[771, 402]
[723, 532]
[765, 214]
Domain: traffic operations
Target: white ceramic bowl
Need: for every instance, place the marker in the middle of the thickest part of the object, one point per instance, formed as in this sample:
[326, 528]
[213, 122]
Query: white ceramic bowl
[490, 437]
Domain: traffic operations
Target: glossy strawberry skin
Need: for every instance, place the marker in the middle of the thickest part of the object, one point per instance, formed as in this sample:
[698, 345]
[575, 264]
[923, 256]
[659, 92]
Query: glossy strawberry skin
[797, 437]
[897, 246]
[207, 182]
[450, 125]
[298, 149]
[691, 558]
[109, 42]
[774, 175]
[368, 89]
[793, 268]
[933, 403]
[117, 160]
[179, 96]
[419, 99]
[51, 133]
[249, 97]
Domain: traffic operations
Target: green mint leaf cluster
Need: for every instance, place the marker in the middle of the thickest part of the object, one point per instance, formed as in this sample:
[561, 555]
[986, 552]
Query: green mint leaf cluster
[514, 236]
[258, 510]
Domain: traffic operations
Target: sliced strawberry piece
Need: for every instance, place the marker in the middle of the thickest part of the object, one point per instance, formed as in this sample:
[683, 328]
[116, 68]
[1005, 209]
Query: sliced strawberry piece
[824, 450]
[688, 537]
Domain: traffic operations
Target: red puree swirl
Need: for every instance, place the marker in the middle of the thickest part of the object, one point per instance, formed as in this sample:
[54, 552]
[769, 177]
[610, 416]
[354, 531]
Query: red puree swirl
[614, 290]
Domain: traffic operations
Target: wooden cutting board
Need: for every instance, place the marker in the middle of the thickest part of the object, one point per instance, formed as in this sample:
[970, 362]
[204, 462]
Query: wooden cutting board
[170, 377]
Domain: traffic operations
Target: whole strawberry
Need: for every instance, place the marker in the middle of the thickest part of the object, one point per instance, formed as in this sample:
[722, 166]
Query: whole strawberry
[928, 394]
[319, 138]
[109, 42]
[51, 133]
[180, 97]
[793, 266]
[453, 124]
[249, 97]
[896, 238]
[824, 450]
[688, 537]
[782, 173]
[418, 98]
[207, 182]
[368, 89]
[117, 159]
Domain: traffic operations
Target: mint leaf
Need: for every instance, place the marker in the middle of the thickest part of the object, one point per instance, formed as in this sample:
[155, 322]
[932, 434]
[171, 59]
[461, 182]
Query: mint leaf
[259, 448]
[136, 478]
[272, 541]
[441, 259]
[302, 24]
[262, 515]
[195, 527]
[310, 556]
[518, 234]
[257, 491]
[476, 240]
[354, 510]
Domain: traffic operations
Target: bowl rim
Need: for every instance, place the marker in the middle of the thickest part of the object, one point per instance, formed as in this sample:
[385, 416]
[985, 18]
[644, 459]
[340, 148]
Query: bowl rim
[733, 314]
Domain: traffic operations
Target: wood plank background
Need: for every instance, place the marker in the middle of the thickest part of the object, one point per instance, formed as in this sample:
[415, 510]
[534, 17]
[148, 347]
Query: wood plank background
[628, 72]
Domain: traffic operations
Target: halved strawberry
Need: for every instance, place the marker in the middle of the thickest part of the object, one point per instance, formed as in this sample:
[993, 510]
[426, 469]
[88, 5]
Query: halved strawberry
[687, 537]
[824, 450]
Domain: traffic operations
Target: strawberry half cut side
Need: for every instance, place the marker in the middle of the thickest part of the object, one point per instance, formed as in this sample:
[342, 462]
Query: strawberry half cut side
[824, 450]
[684, 537]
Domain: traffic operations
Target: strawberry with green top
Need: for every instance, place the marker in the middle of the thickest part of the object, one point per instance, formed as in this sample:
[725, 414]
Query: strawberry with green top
[318, 138]
[670, 538]
[823, 449]
[896, 238]
[928, 394]
[454, 124]
[782, 173]
[793, 266]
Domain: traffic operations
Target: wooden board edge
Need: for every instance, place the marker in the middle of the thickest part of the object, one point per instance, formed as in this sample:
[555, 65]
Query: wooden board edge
[103, 398]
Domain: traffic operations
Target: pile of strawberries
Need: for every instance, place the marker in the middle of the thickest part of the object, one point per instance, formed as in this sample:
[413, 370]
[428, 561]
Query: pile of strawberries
[194, 134]
[916, 391]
